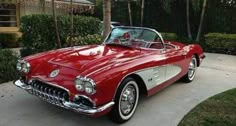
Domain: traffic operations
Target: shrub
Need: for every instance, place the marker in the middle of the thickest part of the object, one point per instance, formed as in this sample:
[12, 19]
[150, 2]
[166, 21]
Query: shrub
[169, 36]
[25, 51]
[39, 32]
[175, 37]
[9, 40]
[8, 61]
[86, 40]
[218, 42]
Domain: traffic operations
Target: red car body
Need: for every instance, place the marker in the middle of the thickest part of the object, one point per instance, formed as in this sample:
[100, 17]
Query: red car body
[108, 65]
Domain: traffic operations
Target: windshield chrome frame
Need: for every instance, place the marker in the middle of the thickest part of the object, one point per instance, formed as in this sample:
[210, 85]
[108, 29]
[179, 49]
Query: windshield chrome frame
[145, 28]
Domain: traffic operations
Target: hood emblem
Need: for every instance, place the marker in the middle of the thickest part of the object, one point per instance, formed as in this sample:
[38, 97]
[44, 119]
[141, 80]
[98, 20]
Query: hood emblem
[54, 73]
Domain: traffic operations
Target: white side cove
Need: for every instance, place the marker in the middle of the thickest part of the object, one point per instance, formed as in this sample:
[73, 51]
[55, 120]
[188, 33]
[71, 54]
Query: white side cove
[157, 75]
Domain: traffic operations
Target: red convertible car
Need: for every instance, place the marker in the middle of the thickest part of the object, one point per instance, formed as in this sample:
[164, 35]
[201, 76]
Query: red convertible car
[109, 78]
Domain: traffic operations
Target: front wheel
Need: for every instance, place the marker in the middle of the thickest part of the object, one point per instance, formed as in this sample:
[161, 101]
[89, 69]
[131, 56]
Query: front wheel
[126, 101]
[190, 75]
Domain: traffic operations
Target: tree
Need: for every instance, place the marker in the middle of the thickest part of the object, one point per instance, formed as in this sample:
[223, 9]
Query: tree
[42, 4]
[130, 13]
[201, 20]
[142, 12]
[188, 20]
[71, 22]
[55, 24]
[106, 17]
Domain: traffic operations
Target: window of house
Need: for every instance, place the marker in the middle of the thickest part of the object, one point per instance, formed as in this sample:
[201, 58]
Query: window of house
[8, 16]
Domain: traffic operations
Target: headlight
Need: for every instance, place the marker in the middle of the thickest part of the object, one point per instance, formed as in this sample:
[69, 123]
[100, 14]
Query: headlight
[85, 84]
[79, 84]
[23, 66]
[88, 87]
[18, 66]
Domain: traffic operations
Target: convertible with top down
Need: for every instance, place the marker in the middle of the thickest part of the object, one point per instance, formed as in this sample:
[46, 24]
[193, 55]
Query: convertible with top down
[109, 78]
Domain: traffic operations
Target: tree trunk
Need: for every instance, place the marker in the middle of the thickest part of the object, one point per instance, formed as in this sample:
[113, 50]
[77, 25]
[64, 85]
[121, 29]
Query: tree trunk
[71, 23]
[201, 20]
[188, 21]
[106, 17]
[142, 12]
[42, 3]
[55, 24]
[130, 14]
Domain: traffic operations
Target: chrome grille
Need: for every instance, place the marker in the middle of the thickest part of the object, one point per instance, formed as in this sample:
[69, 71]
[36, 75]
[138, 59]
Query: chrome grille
[49, 93]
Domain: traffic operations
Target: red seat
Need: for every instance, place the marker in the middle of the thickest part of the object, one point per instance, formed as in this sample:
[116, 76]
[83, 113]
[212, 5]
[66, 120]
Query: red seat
[156, 46]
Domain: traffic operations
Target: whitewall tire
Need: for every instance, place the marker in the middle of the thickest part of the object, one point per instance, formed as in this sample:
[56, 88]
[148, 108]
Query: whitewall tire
[126, 101]
[190, 75]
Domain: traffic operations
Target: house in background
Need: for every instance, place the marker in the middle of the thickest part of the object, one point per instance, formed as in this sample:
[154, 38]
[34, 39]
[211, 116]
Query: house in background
[12, 10]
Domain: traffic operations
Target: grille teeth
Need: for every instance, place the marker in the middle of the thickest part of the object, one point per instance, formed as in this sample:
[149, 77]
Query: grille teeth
[49, 93]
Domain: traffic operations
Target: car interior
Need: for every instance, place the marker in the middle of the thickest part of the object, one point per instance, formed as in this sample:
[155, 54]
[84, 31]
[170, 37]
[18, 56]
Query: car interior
[158, 45]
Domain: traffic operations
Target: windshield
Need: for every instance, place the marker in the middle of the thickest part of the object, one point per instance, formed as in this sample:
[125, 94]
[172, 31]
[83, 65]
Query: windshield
[136, 37]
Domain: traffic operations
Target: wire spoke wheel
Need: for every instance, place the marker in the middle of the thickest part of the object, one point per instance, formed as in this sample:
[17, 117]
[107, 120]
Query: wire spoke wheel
[126, 101]
[192, 68]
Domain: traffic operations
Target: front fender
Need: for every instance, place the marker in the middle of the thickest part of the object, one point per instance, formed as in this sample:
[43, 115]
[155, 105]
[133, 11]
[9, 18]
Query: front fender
[194, 49]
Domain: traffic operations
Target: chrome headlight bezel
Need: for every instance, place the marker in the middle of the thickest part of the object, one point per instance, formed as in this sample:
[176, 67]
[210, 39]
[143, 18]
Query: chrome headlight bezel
[23, 66]
[85, 84]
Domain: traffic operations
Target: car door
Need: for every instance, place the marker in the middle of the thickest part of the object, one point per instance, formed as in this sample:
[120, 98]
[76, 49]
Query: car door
[175, 60]
[156, 73]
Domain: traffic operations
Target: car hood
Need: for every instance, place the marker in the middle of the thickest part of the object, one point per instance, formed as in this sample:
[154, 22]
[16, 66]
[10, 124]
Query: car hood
[94, 57]
[97, 62]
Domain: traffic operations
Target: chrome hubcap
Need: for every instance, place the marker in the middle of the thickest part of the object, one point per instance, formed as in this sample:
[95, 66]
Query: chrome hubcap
[128, 98]
[192, 68]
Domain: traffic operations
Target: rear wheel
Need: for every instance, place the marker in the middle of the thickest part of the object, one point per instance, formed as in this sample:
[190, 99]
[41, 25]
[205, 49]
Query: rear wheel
[126, 101]
[190, 75]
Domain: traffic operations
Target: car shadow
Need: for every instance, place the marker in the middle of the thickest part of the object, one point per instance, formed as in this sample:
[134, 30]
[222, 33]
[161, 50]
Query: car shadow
[55, 113]
[72, 117]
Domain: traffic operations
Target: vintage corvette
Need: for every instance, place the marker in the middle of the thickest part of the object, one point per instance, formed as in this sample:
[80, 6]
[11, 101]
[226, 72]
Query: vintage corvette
[109, 78]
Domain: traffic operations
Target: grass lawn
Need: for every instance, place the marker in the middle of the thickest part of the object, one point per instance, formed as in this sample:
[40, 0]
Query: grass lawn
[219, 110]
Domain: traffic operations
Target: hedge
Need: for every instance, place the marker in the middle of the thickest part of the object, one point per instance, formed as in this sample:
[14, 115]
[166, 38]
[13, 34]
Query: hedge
[39, 32]
[8, 61]
[213, 42]
[9, 40]
[224, 43]
[169, 36]
[86, 40]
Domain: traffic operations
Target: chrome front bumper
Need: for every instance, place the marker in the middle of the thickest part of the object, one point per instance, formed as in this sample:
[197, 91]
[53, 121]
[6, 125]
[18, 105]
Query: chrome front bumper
[65, 104]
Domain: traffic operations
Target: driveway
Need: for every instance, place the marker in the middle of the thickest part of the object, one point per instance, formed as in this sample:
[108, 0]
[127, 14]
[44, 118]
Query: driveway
[166, 108]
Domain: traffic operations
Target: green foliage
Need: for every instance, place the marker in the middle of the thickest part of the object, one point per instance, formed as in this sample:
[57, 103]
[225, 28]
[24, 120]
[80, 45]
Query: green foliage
[86, 40]
[8, 61]
[98, 10]
[213, 42]
[27, 51]
[170, 15]
[196, 5]
[175, 37]
[167, 5]
[169, 36]
[39, 32]
[218, 41]
[9, 40]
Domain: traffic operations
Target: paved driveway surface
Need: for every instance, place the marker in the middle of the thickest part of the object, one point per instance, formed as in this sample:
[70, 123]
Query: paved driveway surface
[166, 108]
